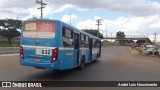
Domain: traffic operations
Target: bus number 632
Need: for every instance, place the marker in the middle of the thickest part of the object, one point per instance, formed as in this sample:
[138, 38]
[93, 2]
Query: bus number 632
[46, 52]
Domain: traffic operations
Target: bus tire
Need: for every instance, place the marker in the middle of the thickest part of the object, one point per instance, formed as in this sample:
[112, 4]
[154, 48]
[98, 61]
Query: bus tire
[82, 63]
[96, 58]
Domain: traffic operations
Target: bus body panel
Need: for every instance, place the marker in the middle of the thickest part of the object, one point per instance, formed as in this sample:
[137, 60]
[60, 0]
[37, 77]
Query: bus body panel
[68, 57]
[86, 53]
[76, 58]
[32, 45]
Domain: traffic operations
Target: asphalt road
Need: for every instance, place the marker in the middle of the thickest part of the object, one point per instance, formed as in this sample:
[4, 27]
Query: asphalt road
[7, 50]
[116, 64]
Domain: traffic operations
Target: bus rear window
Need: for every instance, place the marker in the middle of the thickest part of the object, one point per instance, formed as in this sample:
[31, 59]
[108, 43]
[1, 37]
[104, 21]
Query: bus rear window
[39, 29]
[30, 26]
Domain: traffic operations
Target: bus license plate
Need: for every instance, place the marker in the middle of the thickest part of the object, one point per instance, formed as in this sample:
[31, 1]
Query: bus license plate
[44, 52]
[36, 59]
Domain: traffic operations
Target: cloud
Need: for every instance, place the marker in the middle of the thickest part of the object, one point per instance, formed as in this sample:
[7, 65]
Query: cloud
[49, 10]
[97, 17]
[13, 12]
[130, 25]
[33, 12]
[155, 25]
[66, 18]
[135, 25]
[29, 9]
[132, 7]
[62, 8]
[87, 24]
[17, 3]
[142, 16]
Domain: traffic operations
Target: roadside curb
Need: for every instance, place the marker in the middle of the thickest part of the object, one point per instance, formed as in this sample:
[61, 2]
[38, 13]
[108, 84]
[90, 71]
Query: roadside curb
[9, 47]
[131, 50]
[13, 54]
[134, 51]
[9, 53]
[9, 50]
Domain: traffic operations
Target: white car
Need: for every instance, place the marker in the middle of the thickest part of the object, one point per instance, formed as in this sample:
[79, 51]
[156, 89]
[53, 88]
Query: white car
[148, 51]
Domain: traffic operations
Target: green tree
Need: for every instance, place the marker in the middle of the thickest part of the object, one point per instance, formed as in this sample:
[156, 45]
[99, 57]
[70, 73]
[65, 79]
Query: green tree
[140, 41]
[93, 32]
[120, 37]
[129, 41]
[9, 28]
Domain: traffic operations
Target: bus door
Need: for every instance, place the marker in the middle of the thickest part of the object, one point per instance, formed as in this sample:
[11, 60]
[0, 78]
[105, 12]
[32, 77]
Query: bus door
[90, 49]
[76, 49]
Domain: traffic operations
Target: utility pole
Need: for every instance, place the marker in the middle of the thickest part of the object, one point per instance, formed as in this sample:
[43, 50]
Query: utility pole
[42, 6]
[98, 23]
[155, 38]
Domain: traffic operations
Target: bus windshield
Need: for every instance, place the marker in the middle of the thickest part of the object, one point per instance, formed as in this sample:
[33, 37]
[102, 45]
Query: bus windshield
[39, 29]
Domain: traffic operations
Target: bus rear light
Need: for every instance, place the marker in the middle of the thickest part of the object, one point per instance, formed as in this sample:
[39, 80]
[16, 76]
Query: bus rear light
[54, 55]
[21, 52]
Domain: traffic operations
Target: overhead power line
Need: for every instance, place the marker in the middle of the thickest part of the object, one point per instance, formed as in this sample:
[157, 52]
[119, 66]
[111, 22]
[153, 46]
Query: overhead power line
[8, 11]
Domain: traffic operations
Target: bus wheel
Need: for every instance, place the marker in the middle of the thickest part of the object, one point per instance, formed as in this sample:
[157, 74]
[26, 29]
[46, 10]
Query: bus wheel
[82, 63]
[96, 58]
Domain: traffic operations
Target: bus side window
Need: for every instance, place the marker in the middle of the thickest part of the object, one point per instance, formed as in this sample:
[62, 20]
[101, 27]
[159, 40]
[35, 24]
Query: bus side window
[63, 32]
[98, 43]
[94, 43]
[67, 37]
[81, 40]
[86, 41]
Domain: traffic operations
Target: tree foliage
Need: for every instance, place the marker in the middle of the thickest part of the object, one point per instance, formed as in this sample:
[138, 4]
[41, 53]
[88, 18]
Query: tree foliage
[140, 41]
[9, 28]
[129, 41]
[120, 37]
[93, 32]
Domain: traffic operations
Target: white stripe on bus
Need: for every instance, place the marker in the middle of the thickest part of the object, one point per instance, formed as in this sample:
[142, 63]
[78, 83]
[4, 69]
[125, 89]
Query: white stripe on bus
[28, 46]
[84, 48]
[60, 48]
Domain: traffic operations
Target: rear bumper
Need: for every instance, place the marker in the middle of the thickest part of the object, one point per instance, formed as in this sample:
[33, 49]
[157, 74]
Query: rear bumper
[55, 66]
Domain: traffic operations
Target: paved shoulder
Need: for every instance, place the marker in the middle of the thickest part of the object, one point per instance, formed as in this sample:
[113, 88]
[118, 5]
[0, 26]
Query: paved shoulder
[7, 50]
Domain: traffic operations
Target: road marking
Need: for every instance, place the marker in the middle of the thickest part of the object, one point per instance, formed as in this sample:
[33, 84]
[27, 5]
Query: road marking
[131, 50]
[2, 55]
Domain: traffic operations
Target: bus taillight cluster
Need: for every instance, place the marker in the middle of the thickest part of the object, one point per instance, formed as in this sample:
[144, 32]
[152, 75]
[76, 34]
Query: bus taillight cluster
[21, 52]
[54, 55]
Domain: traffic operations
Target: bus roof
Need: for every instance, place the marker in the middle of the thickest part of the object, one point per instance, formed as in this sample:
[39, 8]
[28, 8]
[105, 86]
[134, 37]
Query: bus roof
[65, 24]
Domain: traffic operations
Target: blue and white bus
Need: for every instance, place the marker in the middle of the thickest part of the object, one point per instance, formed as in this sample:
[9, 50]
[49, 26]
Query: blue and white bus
[52, 44]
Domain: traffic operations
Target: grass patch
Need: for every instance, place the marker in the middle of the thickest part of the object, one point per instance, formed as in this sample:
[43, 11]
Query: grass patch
[4, 43]
[139, 49]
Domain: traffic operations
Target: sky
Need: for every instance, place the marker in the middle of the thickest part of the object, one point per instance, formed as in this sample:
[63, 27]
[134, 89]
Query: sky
[133, 17]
